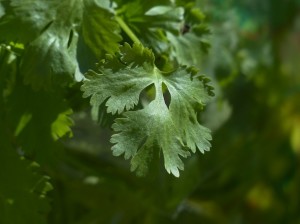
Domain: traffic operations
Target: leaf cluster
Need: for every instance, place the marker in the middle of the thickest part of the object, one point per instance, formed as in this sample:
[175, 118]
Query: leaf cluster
[146, 87]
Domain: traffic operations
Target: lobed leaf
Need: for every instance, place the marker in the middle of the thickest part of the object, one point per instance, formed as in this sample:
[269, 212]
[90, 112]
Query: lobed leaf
[140, 134]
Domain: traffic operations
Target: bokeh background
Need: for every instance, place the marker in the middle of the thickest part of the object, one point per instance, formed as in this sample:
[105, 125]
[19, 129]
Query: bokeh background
[252, 173]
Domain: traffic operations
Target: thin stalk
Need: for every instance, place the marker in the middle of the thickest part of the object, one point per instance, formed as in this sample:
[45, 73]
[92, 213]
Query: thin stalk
[127, 30]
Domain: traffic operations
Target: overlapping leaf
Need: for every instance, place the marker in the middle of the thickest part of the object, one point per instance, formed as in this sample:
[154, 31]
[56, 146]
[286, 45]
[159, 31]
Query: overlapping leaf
[150, 20]
[188, 48]
[190, 44]
[143, 133]
[50, 29]
[178, 31]
[32, 120]
[37, 120]
[21, 185]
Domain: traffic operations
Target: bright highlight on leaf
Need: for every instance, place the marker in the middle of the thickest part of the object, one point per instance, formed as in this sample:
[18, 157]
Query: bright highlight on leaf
[172, 131]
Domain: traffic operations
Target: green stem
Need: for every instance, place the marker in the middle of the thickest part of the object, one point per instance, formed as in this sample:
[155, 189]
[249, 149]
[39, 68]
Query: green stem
[127, 30]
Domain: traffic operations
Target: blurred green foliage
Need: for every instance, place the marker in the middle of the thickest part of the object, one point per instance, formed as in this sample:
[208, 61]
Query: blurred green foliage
[251, 175]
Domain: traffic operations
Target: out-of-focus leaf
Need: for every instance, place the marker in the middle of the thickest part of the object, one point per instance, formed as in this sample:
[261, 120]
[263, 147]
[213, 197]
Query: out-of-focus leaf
[150, 21]
[22, 190]
[50, 30]
[38, 119]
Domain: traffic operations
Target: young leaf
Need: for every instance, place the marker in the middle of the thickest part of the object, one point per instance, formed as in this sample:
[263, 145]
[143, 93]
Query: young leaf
[178, 31]
[150, 20]
[190, 44]
[142, 133]
[188, 48]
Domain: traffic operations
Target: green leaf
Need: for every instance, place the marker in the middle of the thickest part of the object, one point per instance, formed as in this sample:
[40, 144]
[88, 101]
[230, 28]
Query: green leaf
[38, 119]
[22, 189]
[143, 133]
[128, 77]
[190, 44]
[50, 30]
[150, 21]
[61, 126]
[188, 48]
[8, 67]
[49, 61]
[35, 119]
[178, 31]
[100, 31]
